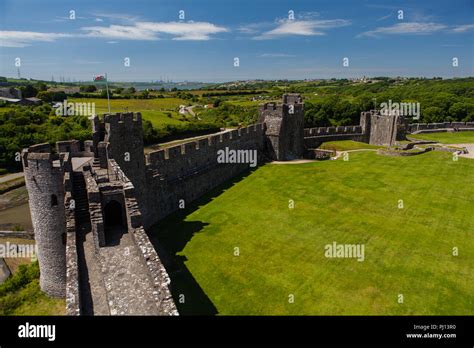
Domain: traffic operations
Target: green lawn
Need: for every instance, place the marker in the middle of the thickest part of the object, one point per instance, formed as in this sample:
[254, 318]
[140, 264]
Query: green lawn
[155, 110]
[447, 137]
[407, 251]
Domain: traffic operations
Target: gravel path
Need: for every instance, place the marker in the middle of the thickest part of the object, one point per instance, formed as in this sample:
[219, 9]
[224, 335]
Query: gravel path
[469, 147]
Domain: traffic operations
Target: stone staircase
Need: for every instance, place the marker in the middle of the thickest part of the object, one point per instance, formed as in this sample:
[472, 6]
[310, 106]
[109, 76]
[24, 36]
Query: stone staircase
[80, 197]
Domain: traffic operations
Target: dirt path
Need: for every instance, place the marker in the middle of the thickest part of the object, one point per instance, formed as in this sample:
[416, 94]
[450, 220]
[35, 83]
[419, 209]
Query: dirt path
[338, 154]
[9, 177]
[299, 161]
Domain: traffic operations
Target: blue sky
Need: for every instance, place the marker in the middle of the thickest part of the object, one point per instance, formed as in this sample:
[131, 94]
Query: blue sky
[268, 43]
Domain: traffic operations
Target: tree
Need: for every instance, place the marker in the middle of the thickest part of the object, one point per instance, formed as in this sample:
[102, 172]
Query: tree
[28, 91]
[131, 90]
[88, 88]
[59, 96]
[41, 86]
[458, 111]
[217, 102]
[433, 114]
[45, 96]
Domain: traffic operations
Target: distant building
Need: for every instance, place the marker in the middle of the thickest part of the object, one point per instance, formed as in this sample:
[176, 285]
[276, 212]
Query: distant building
[22, 101]
[67, 90]
[11, 100]
[10, 92]
[31, 101]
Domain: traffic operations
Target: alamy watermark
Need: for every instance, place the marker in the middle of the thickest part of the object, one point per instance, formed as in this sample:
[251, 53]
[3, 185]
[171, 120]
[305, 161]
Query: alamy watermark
[400, 109]
[75, 109]
[11, 250]
[227, 155]
[335, 250]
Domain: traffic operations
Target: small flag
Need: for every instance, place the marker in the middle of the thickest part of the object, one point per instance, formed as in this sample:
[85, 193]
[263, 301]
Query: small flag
[98, 78]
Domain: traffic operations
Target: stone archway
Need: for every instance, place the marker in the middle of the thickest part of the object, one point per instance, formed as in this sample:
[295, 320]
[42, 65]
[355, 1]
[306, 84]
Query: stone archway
[114, 223]
[113, 214]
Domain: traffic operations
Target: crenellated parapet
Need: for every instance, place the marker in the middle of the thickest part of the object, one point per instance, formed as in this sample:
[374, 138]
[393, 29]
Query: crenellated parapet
[319, 131]
[440, 127]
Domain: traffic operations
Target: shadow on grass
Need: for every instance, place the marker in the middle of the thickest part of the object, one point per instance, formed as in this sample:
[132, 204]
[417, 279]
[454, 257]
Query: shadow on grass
[170, 236]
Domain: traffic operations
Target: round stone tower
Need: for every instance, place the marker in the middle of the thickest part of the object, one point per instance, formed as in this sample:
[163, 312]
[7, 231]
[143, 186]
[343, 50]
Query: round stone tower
[44, 177]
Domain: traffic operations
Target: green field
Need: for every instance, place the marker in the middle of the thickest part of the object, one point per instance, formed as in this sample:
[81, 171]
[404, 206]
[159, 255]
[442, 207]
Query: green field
[155, 110]
[447, 137]
[407, 251]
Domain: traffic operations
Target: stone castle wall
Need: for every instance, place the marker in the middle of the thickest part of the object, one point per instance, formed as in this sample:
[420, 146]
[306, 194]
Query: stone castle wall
[318, 131]
[439, 127]
[187, 171]
[373, 128]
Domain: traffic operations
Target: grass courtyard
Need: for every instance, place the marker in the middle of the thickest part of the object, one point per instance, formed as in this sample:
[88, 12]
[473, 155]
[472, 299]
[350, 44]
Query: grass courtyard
[408, 251]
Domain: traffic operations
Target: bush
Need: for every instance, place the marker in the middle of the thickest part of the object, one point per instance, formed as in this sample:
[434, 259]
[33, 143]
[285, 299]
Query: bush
[24, 275]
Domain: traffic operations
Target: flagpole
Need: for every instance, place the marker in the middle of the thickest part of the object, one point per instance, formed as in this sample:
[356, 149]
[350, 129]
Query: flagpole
[107, 87]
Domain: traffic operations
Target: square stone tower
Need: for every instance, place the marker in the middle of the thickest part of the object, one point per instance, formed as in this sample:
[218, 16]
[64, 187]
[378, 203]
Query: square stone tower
[284, 135]
[383, 129]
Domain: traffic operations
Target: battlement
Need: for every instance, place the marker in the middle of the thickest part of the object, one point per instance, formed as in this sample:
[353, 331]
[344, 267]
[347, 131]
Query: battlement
[41, 157]
[292, 98]
[210, 144]
[320, 131]
[126, 117]
[108, 125]
[272, 107]
[419, 127]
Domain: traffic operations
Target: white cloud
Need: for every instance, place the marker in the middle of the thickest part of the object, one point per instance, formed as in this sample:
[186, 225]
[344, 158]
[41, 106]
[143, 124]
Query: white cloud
[121, 32]
[184, 30]
[151, 30]
[413, 28]
[302, 28]
[26, 38]
[463, 28]
[253, 28]
[119, 17]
